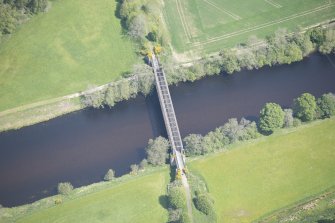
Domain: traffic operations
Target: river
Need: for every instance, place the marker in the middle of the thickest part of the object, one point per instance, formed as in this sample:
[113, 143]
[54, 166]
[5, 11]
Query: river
[80, 147]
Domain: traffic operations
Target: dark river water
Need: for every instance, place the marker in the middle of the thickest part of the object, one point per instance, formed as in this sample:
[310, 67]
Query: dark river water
[80, 147]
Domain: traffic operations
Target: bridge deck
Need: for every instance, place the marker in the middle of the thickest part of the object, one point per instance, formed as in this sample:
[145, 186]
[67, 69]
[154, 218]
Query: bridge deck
[169, 115]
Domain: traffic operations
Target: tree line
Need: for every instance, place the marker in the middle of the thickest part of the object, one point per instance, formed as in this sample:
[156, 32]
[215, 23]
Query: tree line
[305, 108]
[279, 48]
[14, 12]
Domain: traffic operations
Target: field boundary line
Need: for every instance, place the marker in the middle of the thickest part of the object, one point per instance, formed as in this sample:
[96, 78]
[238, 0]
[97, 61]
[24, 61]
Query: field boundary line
[274, 4]
[183, 20]
[234, 16]
[284, 19]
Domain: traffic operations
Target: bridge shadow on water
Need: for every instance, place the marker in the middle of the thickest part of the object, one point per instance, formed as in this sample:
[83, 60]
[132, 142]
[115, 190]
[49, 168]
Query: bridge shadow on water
[155, 114]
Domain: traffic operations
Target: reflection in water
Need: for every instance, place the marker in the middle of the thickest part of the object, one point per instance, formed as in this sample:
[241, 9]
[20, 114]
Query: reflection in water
[80, 147]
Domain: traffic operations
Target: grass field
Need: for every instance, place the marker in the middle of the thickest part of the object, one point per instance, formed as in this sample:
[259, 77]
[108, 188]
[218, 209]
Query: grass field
[136, 200]
[75, 44]
[210, 25]
[263, 176]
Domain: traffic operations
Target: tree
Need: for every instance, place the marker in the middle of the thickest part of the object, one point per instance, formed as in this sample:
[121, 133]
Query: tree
[304, 107]
[177, 197]
[94, 98]
[110, 97]
[110, 175]
[288, 118]
[328, 44]
[37, 6]
[229, 61]
[271, 117]
[326, 105]
[64, 188]
[157, 151]
[194, 145]
[7, 19]
[137, 27]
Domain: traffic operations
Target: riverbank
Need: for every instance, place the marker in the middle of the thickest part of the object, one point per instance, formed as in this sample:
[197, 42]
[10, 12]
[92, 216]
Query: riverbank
[125, 199]
[292, 49]
[284, 155]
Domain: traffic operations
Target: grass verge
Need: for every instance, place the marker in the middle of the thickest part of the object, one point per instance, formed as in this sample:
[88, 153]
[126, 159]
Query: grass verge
[129, 199]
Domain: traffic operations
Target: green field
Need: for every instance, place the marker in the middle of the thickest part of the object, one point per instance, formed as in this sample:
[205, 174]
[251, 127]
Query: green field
[136, 200]
[74, 44]
[210, 25]
[271, 173]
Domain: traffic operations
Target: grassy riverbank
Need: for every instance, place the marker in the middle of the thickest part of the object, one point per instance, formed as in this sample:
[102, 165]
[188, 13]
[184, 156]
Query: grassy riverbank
[268, 174]
[251, 180]
[49, 57]
[129, 199]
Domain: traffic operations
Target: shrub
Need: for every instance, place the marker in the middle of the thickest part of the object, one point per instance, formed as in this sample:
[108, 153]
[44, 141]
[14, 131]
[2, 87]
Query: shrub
[174, 214]
[58, 201]
[326, 105]
[204, 204]
[134, 169]
[110, 175]
[288, 118]
[304, 107]
[296, 122]
[177, 197]
[157, 151]
[271, 117]
[65, 188]
[143, 164]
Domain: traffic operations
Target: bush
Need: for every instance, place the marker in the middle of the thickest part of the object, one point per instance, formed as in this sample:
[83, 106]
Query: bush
[174, 214]
[177, 197]
[157, 151]
[110, 175]
[143, 164]
[296, 122]
[326, 105]
[288, 118]
[58, 201]
[134, 169]
[304, 107]
[65, 188]
[204, 204]
[271, 117]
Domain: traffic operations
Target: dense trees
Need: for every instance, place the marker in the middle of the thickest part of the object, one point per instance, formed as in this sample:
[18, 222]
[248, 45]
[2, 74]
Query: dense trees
[142, 21]
[271, 117]
[157, 151]
[304, 107]
[229, 133]
[13, 11]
